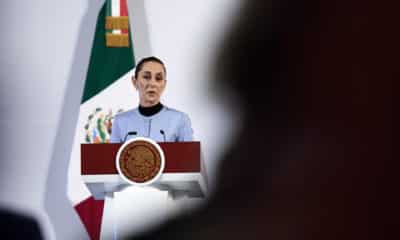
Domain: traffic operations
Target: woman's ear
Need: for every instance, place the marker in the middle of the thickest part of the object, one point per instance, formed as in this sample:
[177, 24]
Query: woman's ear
[134, 82]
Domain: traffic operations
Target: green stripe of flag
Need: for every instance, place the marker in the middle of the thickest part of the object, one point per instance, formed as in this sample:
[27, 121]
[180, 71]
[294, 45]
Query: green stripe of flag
[108, 7]
[108, 12]
[106, 64]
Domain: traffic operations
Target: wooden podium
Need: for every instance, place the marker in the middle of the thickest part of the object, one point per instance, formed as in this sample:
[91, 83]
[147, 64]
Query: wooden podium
[184, 174]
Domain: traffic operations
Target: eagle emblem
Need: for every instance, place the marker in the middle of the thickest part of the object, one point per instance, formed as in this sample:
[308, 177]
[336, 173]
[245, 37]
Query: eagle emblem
[98, 126]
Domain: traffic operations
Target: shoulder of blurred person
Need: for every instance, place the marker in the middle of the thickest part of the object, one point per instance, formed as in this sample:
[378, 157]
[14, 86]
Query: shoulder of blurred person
[17, 226]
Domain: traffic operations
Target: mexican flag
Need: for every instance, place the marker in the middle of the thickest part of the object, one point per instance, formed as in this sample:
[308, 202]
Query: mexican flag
[108, 90]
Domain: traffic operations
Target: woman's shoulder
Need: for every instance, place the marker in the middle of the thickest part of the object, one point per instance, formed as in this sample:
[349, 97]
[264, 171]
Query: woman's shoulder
[177, 116]
[175, 112]
[126, 114]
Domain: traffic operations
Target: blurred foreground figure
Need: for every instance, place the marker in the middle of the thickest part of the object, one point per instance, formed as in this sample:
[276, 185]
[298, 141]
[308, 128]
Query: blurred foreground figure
[15, 226]
[315, 157]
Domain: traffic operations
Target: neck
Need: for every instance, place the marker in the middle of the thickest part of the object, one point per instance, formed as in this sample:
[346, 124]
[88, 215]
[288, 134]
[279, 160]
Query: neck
[150, 110]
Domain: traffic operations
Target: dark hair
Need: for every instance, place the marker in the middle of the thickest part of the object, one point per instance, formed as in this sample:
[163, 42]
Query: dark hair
[139, 66]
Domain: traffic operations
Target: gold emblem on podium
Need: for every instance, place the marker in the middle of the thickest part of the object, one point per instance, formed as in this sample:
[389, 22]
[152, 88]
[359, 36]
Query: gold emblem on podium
[140, 161]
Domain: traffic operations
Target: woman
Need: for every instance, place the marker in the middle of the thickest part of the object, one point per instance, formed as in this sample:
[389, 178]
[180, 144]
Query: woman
[151, 119]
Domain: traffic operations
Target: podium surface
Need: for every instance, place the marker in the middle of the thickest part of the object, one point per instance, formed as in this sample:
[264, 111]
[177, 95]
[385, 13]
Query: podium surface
[183, 170]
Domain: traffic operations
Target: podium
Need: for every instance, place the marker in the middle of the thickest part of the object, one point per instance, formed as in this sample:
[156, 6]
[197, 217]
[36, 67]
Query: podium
[184, 175]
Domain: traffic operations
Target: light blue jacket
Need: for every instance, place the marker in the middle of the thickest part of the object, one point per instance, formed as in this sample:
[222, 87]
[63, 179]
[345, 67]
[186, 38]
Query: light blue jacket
[175, 125]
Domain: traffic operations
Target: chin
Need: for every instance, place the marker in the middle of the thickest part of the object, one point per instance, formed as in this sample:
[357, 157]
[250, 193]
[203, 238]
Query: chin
[152, 101]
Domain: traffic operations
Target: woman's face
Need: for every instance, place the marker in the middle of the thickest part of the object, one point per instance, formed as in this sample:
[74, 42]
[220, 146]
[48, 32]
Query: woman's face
[150, 83]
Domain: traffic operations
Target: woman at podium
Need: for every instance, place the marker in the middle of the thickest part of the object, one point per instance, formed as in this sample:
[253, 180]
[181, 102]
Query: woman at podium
[151, 118]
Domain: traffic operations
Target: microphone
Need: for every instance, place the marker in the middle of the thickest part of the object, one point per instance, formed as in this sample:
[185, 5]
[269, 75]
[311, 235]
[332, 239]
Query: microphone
[129, 133]
[163, 133]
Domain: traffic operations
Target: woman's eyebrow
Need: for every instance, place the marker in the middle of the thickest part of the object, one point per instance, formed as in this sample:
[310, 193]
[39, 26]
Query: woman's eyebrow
[149, 72]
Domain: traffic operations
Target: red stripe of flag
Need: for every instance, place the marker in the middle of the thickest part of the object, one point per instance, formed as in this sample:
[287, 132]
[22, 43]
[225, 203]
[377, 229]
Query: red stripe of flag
[123, 6]
[91, 213]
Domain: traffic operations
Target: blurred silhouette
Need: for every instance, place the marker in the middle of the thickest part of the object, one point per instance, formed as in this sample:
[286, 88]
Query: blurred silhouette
[315, 157]
[15, 226]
